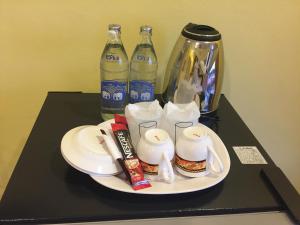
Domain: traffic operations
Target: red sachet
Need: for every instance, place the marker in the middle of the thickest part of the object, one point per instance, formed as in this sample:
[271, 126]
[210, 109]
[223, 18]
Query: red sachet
[120, 119]
[132, 166]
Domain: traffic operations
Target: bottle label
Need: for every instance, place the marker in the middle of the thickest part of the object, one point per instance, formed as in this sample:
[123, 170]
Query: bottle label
[141, 91]
[112, 58]
[113, 95]
[143, 58]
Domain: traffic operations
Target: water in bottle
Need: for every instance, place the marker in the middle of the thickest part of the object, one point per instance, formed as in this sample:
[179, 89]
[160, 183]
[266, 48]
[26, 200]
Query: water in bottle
[114, 70]
[143, 69]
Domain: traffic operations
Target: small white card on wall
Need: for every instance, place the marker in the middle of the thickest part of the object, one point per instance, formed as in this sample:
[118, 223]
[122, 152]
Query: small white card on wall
[249, 155]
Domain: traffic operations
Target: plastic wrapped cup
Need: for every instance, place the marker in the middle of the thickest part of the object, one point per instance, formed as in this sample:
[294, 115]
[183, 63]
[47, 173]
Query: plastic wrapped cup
[177, 117]
[141, 117]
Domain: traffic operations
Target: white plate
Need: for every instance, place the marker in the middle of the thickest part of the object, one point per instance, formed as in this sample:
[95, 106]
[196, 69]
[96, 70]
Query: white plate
[181, 184]
[81, 148]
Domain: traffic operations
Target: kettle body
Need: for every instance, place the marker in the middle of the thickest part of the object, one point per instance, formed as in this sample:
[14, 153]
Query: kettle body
[195, 68]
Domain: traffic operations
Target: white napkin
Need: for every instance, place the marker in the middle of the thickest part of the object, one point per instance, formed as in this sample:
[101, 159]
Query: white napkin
[141, 117]
[176, 117]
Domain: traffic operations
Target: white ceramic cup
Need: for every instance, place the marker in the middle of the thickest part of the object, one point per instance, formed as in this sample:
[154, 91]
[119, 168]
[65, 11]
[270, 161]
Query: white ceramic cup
[156, 151]
[195, 154]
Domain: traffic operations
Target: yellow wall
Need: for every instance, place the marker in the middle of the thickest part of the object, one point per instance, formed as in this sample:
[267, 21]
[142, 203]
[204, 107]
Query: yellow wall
[55, 45]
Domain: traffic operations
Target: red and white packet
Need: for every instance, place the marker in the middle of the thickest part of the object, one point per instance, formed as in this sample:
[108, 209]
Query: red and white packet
[131, 164]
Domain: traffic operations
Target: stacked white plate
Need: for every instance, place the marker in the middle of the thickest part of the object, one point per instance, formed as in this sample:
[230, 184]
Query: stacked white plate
[82, 148]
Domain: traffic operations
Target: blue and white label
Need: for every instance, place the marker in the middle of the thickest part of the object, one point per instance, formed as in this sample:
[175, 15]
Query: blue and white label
[111, 57]
[143, 58]
[141, 91]
[113, 94]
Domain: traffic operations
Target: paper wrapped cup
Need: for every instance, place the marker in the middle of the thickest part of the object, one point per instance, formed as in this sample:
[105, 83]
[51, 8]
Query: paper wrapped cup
[141, 117]
[176, 117]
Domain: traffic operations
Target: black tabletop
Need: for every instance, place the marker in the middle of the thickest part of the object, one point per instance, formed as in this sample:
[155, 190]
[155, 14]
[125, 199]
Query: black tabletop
[45, 189]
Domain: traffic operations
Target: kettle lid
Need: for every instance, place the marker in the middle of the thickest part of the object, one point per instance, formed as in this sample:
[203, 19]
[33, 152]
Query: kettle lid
[200, 32]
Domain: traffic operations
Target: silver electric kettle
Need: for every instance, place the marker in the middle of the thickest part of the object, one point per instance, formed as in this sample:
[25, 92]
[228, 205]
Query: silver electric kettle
[195, 68]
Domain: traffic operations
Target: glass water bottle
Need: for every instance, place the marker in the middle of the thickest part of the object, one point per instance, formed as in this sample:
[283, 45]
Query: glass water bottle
[143, 69]
[114, 70]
